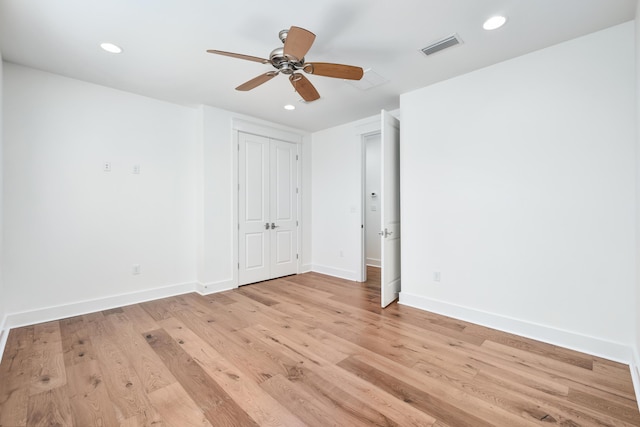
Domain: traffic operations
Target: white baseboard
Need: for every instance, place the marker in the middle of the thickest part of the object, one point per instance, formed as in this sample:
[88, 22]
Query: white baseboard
[47, 314]
[586, 344]
[214, 287]
[306, 268]
[4, 334]
[374, 262]
[335, 272]
[634, 367]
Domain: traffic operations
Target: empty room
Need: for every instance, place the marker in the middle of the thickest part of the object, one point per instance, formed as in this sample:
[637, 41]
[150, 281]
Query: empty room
[348, 213]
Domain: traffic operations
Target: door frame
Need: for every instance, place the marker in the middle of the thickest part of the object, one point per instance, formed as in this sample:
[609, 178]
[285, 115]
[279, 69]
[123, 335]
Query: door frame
[240, 125]
[369, 128]
[363, 203]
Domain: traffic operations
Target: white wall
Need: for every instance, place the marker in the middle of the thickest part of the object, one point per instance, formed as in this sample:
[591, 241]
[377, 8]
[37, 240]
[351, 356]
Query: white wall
[3, 298]
[518, 185]
[636, 373]
[372, 185]
[73, 231]
[337, 198]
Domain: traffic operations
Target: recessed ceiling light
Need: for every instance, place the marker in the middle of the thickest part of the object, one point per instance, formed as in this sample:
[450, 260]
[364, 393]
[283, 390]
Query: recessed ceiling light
[289, 107]
[111, 48]
[494, 22]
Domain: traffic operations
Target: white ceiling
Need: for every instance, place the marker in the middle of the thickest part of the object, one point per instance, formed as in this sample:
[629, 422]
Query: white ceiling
[164, 44]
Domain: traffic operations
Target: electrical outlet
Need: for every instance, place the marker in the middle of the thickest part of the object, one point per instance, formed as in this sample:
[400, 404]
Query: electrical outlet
[135, 269]
[341, 253]
[136, 169]
[106, 166]
[436, 276]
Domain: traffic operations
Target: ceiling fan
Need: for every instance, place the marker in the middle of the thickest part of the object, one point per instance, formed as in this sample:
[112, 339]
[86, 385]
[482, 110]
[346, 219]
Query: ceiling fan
[289, 60]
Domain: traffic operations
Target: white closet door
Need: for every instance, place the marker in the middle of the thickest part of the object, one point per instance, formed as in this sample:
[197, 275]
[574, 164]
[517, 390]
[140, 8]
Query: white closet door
[390, 209]
[284, 236]
[267, 208]
[254, 229]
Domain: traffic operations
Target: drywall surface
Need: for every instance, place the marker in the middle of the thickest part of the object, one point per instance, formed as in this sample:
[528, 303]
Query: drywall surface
[518, 186]
[637, 321]
[73, 230]
[337, 179]
[3, 298]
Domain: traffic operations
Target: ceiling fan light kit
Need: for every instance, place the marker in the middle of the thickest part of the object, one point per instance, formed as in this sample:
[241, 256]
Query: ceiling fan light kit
[289, 60]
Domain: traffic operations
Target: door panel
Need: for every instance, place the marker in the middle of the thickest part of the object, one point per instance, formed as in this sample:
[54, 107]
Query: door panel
[255, 159]
[284, 182]
[390, 209]
[255, 251]
[253, 212]
[284, 250]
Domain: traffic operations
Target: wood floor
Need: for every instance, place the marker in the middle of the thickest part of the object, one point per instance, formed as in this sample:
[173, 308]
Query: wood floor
[302, 350]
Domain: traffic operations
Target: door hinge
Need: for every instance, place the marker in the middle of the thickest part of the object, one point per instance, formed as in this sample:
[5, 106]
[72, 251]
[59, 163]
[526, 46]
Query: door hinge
[296, 190]
[296, 256]
[238, 266]
[296, 223]
[238, 147]
[296, 157]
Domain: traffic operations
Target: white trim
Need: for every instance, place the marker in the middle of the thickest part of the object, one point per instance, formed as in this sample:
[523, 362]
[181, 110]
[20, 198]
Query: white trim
[48, 314]
[362, 249]
[214, 287]
[335, 272]
[634, 367]
[235, 195]
[268, 131]
[299, 194]
[306, 268]
[4, 334]
[587, 344]
[369, 125]
[374, 262]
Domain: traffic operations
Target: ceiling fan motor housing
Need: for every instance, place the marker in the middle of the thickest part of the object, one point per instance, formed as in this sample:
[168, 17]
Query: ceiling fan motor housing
[286, 64]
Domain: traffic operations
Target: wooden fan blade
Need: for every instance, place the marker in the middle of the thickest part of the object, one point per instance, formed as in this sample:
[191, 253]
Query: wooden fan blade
[257, 81]
[298, 42]
[239, 56]
[303, 86]
[339, 71]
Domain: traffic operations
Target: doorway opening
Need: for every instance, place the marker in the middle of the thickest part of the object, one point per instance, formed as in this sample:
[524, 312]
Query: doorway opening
[380, 202]
[371, 206]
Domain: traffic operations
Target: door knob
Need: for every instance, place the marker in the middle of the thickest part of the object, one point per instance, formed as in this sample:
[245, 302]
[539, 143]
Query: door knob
[274, 226]
[266, 226]
[385, 233]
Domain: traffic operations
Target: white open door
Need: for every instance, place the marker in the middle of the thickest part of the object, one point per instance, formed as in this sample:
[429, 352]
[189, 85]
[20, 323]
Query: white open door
[390, 209]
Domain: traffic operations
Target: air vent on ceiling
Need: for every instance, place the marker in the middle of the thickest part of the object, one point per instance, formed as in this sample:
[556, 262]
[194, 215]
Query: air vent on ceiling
[442, 44]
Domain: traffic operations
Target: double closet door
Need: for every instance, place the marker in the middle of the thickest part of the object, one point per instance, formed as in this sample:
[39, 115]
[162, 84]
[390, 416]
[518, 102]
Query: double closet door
[267, 208]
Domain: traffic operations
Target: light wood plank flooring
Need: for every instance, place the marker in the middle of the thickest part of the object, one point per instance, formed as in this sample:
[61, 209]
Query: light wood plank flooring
[301, 350]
